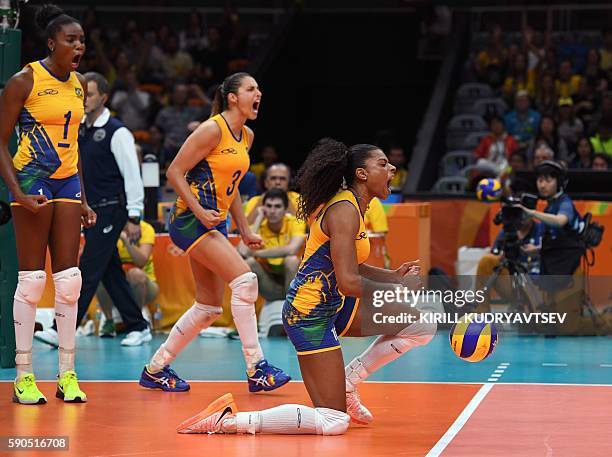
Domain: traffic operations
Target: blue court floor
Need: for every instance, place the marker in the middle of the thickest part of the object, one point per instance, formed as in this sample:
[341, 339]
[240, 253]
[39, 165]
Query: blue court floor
[517, 359]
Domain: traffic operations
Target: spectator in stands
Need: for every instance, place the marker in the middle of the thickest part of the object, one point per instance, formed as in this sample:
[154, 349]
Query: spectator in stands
[546, 96]
[602, 141]
[603, 114]
[541, 154]
[277, 176]
[593, 72]
[585, 104]
[155, 146]
[518, 160]
[283, 236]
[137, 261]
[569, 127]
[522, 122]
[269, 156]
[519, 79]
[584, 154]
[194, 38]
[495, 148]
[547, 134]
[568, 83]
[491, 61]
[605, 52]
[176, 63]
[132, 104]
[397, 158]
[601, 162]
[533, 45]
[212, 60]
[377, 226]
[174, 119]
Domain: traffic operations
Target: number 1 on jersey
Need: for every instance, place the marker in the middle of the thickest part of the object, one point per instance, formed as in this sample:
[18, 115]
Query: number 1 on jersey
[67, 116]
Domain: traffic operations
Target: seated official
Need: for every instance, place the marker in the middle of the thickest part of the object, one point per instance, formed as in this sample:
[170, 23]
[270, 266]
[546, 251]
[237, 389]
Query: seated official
[137, 261]
[377, 226]
[276, 264]
[530, 241]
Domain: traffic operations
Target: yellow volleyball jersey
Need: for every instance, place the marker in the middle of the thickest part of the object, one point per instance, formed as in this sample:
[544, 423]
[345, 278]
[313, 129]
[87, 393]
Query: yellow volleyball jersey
[214, 180]
[315, 286]
[49, 125]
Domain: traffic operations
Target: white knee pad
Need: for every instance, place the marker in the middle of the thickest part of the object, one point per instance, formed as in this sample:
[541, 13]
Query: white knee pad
[331, 421]
[420, 332]
[67, 285]
[30, 286]
[244, 289]
[204, 315]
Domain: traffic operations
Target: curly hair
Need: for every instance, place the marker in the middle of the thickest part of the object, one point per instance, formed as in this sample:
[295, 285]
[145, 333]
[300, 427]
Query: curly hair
[329, 165]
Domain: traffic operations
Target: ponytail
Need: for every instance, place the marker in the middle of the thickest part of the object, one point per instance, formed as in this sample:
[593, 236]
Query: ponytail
[229, 85]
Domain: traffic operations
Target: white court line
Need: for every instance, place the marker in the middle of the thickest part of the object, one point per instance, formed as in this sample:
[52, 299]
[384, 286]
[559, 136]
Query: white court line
[493, 379]
[496, 375]
[460, 421]
[499, 371]
[606, 365]
[547, 364]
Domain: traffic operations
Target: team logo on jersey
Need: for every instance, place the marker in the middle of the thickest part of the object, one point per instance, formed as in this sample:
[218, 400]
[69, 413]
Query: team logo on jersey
[48, 92]
[229, 151]
[79, 92]
[99, 135]
[361, 236]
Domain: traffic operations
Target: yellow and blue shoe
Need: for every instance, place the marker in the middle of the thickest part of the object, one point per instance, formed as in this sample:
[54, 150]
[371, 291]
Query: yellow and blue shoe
[166, 380]
[266, 377]
[68, 388]
[26, 392]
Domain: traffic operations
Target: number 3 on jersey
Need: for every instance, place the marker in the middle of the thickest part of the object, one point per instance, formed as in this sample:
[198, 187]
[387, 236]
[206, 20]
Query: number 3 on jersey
[235, 178]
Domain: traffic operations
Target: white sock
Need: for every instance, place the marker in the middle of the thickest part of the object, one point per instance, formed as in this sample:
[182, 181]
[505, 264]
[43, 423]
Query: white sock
[289, 420]
[195, 319]
[244, 295]
[67, 290]
[24, 316]
[65, 317]
[29, 290]
[385, 349]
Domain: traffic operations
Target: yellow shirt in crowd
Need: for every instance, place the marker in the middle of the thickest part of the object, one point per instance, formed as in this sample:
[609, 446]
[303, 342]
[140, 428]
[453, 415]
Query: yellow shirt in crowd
[291, 227]
[147, 236]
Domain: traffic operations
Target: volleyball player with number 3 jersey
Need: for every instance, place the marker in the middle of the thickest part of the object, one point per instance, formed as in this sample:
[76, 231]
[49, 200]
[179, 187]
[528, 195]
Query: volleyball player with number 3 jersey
[205, 174]
[46, 100]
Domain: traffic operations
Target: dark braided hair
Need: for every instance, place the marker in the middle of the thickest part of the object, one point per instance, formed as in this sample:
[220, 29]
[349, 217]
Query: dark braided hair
[230, 85]
[330, 164]
[50, 19]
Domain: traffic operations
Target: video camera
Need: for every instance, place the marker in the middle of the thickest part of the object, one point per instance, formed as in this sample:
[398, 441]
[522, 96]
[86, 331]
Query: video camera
[511, 218]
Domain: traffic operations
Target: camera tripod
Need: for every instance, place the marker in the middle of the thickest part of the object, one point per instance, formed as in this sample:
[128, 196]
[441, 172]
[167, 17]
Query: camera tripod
[524, 293]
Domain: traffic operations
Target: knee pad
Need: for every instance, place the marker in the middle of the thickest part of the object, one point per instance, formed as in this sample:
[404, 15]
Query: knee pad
[67, 285]
[420, 332]
[30, 286]
[244, 289]
[331, 421]
[204, 315]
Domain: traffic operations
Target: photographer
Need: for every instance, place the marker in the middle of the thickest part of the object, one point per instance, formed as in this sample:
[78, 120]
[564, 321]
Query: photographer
[562, 247]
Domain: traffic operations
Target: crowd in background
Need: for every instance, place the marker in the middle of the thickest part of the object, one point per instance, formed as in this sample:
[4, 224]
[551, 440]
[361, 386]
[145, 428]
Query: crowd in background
[560, 99]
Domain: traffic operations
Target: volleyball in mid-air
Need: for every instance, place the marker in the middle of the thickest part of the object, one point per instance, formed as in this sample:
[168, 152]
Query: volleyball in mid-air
[489, 190]
[472, 340]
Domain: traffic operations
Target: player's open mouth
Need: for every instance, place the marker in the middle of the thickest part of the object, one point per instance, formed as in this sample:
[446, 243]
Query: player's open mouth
[76, 60]
[256, 106]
